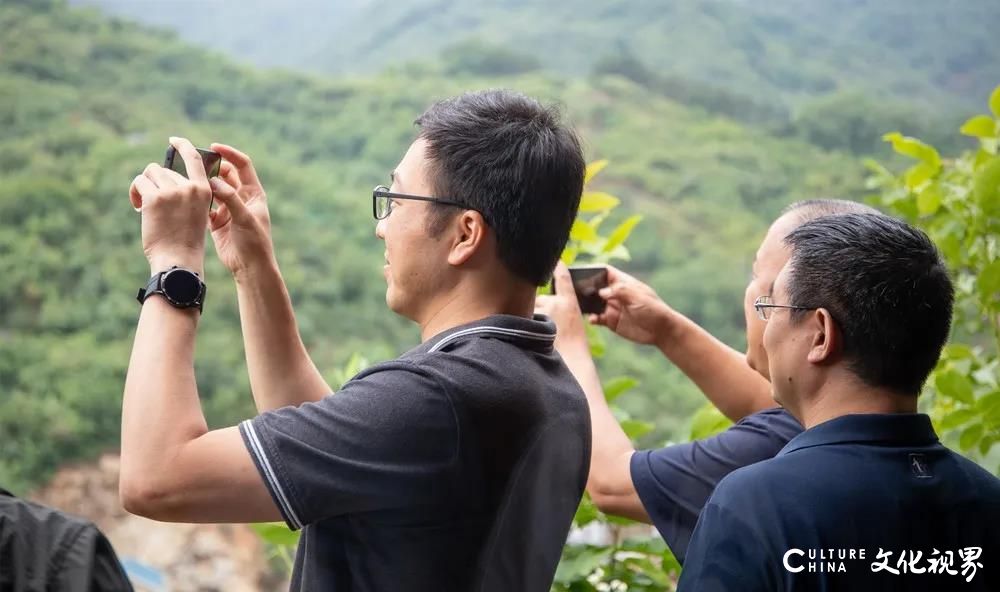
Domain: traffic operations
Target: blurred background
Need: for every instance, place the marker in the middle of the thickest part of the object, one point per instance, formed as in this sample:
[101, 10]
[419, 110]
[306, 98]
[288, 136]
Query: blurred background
[713, 115]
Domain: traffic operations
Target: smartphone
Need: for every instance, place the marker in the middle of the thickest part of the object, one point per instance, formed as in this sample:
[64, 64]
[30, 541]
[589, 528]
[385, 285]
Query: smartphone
[211, 160]
[587, 281]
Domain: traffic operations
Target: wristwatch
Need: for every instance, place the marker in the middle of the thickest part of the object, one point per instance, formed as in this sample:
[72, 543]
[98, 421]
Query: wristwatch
[181, 287]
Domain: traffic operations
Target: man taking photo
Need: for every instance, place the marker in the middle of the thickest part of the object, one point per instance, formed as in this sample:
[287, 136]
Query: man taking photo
[457, 466]
[866, 498]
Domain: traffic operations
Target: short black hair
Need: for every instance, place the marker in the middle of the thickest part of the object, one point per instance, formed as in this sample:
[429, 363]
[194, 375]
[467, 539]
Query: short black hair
[886, 287]
[510, 158]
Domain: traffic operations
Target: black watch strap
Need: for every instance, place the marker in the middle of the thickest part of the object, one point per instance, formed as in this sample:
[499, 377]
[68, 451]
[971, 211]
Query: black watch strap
[155, 286]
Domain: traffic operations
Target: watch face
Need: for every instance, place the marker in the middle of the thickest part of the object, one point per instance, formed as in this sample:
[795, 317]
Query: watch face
[181, 286]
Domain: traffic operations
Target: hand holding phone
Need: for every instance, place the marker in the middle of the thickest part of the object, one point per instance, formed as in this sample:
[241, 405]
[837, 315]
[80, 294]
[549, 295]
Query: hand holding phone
[211, 160]
[587, 282]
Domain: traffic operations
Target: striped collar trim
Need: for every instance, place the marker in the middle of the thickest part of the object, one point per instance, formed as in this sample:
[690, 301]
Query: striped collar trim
[539, 331]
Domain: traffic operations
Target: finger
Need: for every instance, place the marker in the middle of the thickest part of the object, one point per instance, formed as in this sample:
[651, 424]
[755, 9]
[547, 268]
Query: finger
[563, 280]
[161, 177]
[237, 210]
[219, 218]
[543, 302]
[228, 172]
[141, 186]
[613, 291]
[192, 160]
[609, 318]
[242, 162]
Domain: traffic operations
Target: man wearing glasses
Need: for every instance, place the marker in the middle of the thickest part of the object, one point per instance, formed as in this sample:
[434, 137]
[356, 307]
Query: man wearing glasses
[457, 466]
[669, 486]
[866, 498]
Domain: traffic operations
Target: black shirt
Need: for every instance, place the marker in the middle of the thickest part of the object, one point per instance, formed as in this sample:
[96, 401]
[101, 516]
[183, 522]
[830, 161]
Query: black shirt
[916, 515]
[674, 482]
[456, 467]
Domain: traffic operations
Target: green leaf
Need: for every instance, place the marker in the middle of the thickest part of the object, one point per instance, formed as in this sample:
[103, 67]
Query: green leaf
[615, 387]
[988, 403]
[980, 126]
[988, 281]
[597, 201]
[986, 444]
[995, 101]
[918, 175]
[708, 421]
[569, 255]
[579, 562]
[586, 512]
[970, 437]
[581, 231]
[621, 233]
[634, 428]
[594, 168]
[929, 200]
[276, 533]
[914, 148]
[957, 418]
[955, 385]
[986, 186]
[646, 567]
[957, 351]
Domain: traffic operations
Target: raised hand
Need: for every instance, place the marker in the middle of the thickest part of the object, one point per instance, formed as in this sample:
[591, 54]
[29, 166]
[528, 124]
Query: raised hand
[241, 226]
[633, 310]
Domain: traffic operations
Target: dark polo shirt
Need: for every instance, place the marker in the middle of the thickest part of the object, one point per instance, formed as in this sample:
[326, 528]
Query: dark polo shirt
[922, 516]
[456, 467]
[674, 482]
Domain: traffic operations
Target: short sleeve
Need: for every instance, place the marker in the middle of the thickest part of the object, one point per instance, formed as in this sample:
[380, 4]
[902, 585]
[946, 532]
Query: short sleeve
[726, 555]
[675, 482]
[385, 440]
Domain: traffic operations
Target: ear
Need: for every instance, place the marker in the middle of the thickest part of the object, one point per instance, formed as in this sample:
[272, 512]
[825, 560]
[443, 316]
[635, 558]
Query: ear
[469, 237]
[826, 337]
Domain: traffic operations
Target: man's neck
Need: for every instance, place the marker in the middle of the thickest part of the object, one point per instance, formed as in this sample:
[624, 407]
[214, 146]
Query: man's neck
[850, 397]
[463, 306]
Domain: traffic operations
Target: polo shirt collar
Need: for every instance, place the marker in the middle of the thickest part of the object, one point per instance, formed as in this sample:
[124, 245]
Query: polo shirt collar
[890, 429]
[538, 332]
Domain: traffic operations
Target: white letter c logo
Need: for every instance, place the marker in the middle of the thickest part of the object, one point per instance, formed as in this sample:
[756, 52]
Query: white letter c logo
[788, 566]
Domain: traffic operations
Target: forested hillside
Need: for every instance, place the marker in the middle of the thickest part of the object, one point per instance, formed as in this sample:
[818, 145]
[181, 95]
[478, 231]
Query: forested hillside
[87, 100]
[777, 51]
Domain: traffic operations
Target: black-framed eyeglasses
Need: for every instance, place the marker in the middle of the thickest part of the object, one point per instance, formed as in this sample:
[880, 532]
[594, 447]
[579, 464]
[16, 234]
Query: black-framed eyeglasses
[382, 201]
[764, 304]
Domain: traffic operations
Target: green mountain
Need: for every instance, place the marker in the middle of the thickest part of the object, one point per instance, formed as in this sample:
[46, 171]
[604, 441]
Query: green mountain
[783, 51]
[87, 100]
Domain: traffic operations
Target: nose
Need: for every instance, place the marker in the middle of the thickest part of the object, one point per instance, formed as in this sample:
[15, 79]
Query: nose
[380, 229]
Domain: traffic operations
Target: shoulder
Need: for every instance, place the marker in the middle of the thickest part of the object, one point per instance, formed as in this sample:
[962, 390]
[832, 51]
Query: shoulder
[980, 479]
[775, 420]
[760, 483]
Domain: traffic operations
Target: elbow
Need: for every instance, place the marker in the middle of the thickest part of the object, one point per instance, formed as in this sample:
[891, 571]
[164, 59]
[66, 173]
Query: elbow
[610, 482]
[604, 493]
[142, 497]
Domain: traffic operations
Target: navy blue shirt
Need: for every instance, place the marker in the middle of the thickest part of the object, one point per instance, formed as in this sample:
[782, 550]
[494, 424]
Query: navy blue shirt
[860, 502]
[674, 482]
[456, 467]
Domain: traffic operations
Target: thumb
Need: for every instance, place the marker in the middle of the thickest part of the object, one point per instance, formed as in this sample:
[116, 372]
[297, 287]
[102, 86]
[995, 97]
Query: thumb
[563, 281]
[615, 290]
[225, 193]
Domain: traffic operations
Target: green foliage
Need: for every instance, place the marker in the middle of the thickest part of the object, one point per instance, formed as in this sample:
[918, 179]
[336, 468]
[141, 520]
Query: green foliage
[957, 202]
[630, 562]
[779, 52]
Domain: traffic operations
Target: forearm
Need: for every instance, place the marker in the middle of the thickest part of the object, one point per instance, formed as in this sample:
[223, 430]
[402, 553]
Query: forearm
[611, 448]
[281, 372]
[718, 370]
[160, 411]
